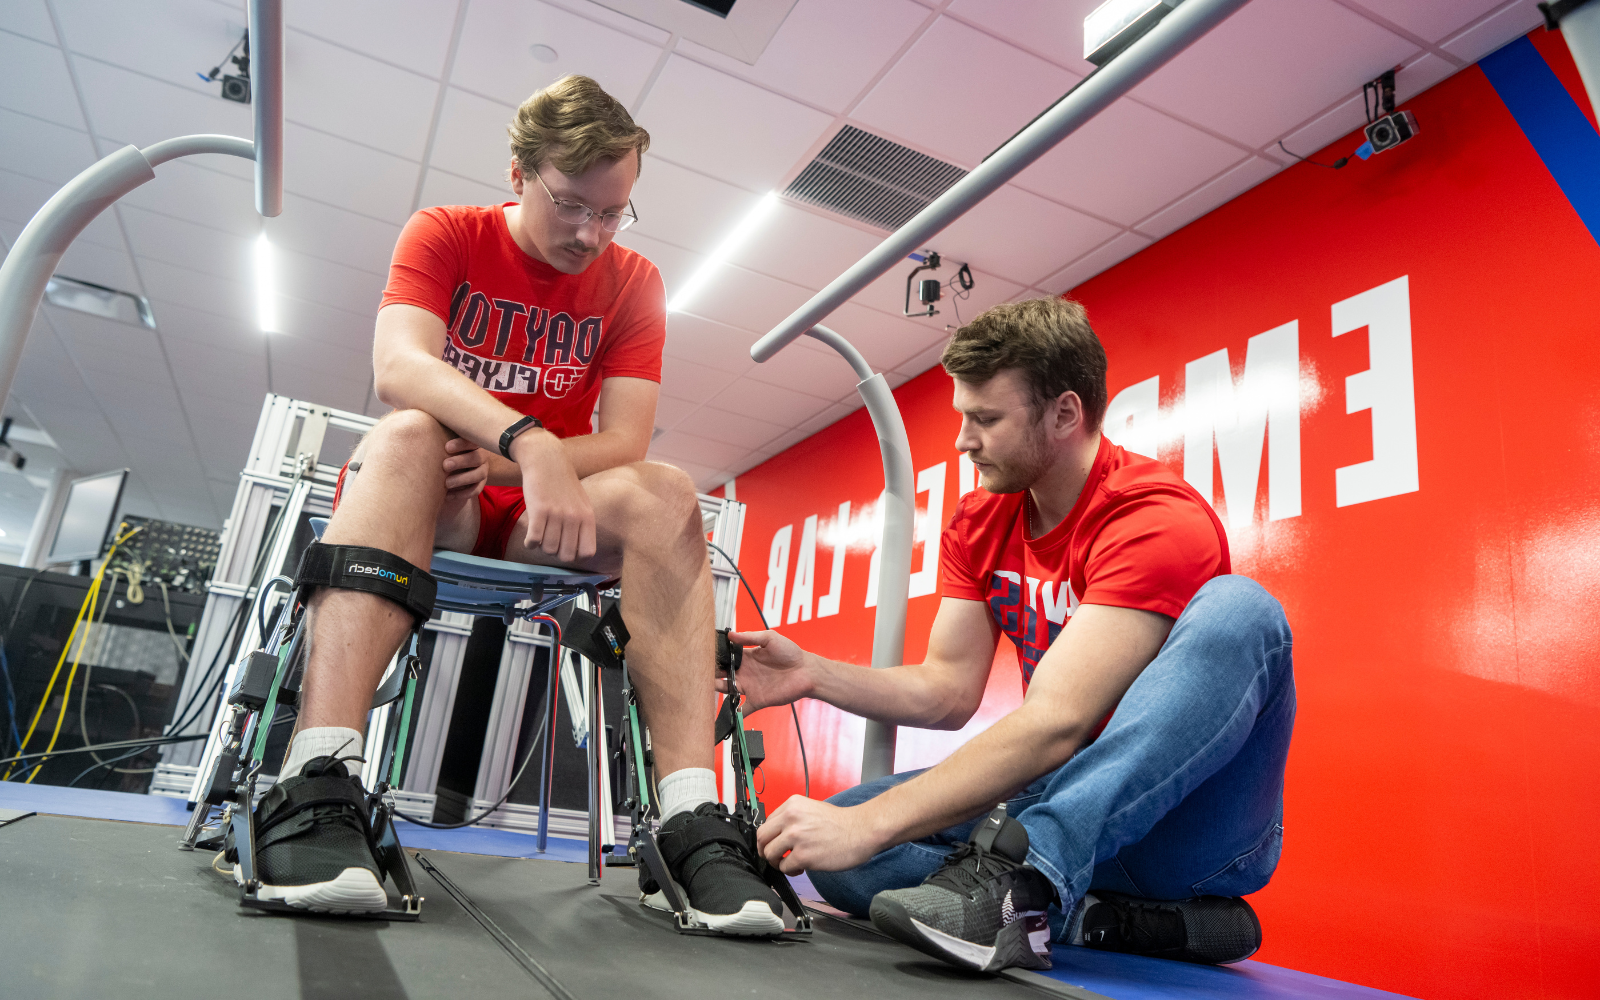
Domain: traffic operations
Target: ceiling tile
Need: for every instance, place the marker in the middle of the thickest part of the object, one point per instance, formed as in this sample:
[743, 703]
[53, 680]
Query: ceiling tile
[1313, 52]
[745, 299]
[330, 284]
[817, 373]
[693, 338]
[804, 247]
[669, 411]
[232, 299]
[187, 244]
[337, 328]
[129, 107]
[346, 94]
[1051, 28]
[184, 38]
[693, 382]
[324, 387]
[42, 150]
[885, 341]
[182, 327]
[834, 413]
[441, 188]
[1021, 236]
[34, 81]
[410, 33]
[922, 362]
[771, 403]
[1309, 139]
[320, 230]
[1512, 21]
[789, 64]
[705, 477]
[499, 34]
[1113, 251]
[101, 265]
[888, 294]
[99, 344]
[753, 140]
[678, 445]
[361, 179]
[29, 17]
[960, 93]
[217, 380]
[315, 353]
[687, 208]
[1432, 20]
[729, 427]
[188, 190]
[1128, 161]
[471, 140]
[1208, 196]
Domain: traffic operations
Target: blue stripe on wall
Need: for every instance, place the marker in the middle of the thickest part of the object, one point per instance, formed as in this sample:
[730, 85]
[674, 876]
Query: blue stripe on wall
[1553, 122]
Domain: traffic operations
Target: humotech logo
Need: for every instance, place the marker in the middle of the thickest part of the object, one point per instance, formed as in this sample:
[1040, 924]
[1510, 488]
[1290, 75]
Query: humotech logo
[379, 572]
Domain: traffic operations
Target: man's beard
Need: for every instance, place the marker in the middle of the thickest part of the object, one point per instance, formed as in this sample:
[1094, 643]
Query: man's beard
[1021, 471]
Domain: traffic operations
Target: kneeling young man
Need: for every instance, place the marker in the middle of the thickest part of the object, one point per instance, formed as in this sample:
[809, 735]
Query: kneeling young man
[506, 324]
[1146, 761]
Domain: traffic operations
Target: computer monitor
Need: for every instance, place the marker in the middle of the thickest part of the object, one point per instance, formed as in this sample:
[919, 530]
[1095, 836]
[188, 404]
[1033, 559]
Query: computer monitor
[88, 517]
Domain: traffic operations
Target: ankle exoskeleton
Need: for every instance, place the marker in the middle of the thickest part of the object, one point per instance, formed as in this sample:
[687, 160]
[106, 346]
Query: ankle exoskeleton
[269, 677]
[603, 639]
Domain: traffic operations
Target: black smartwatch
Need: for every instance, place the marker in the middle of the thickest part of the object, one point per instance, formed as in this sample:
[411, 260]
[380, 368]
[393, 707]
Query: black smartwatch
[511, 433]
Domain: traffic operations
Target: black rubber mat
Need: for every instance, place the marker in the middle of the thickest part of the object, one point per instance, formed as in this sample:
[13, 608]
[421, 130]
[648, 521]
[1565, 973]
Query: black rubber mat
[94, 909]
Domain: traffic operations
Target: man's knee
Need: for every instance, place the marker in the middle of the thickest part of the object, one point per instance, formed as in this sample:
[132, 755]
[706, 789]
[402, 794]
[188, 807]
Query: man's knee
[404, 433]
[658, 494]
[1239, 604]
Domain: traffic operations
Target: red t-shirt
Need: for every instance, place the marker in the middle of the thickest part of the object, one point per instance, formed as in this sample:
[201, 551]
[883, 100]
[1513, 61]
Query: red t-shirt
[537, 339]
[1138, 537]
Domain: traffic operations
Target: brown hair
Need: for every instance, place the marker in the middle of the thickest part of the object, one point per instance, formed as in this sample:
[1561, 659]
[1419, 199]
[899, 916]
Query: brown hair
[1048, 340]
[573, 124]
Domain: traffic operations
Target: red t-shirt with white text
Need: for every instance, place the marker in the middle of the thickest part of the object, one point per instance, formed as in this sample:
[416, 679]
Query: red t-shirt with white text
[537, 339]
[1138, 537]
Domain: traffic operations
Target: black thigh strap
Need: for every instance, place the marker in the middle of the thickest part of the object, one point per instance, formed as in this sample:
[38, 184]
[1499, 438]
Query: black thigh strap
[375, 571]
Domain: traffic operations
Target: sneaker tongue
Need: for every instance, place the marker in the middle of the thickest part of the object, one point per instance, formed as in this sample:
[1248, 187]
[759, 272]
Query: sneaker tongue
[1012, 841]
[327, 766]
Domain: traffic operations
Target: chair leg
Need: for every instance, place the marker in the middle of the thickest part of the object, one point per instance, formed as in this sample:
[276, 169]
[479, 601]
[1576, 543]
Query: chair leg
[547, 760]
[598, 806]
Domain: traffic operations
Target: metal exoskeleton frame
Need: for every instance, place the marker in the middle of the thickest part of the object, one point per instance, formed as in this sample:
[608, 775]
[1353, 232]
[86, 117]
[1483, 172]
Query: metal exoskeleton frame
[267, 678]
[603, 640]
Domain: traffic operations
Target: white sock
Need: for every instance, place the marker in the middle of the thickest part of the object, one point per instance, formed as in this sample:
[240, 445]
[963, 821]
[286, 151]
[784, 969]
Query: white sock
[686, 790]
[323, 741]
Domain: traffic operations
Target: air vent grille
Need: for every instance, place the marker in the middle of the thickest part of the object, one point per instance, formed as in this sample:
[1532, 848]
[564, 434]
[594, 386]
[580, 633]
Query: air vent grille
[869, 178]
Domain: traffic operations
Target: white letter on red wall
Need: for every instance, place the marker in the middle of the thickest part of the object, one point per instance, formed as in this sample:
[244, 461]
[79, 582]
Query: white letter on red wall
[930, 525]
[1238, 418]
[777, 576]
[828, 604]
[805, 572]
[1386, 388]
[1132, 415]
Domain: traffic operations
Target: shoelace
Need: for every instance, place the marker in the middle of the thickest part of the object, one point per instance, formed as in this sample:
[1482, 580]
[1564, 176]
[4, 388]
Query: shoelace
[1149, 926]
[968, 865]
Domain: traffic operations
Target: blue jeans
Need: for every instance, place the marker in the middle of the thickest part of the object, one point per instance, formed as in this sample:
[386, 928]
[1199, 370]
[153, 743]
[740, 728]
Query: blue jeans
[1181, 795]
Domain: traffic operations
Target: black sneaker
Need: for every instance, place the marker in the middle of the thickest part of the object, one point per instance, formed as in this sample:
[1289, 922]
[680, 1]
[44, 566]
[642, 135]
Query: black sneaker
[984, 910]
[1212, 930]
[313, 850]
[711, 861]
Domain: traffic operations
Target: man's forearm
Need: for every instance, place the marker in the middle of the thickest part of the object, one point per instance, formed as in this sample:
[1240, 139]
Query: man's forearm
[910, 695]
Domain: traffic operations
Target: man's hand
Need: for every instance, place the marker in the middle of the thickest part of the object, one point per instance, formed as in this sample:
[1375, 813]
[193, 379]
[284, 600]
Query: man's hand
[560, 518]
[775, 670]
[466, 469]
[807, 835]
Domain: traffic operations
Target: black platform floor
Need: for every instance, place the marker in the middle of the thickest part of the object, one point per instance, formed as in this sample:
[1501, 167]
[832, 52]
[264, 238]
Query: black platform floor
[101, 909]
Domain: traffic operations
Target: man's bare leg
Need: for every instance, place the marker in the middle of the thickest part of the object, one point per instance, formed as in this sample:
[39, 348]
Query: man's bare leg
[392, 503]
[647, 522]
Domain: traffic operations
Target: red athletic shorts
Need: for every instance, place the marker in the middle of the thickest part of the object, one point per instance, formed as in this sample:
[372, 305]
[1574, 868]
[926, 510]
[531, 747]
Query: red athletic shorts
[499, 509]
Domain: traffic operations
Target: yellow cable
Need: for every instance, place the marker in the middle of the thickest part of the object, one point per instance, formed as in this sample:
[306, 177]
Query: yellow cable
[89, 601]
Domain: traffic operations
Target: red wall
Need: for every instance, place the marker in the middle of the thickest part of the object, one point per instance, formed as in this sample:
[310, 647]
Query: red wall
[1442, 812]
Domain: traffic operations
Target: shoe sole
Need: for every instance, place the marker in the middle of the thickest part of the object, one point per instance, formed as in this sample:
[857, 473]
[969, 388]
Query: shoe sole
[754, 919]
[1017, 945]
[355, 890]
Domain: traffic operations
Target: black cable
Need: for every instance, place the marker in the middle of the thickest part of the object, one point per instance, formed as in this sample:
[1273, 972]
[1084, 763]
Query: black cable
[1335, 165]
[116, 745]
[805, 766]
[106, 763]
[5, 665]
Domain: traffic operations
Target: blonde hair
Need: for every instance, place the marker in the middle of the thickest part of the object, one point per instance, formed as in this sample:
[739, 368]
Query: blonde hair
[573, 124]
[1048, 340]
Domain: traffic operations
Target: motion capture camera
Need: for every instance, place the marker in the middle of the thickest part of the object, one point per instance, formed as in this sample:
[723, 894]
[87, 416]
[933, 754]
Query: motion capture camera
[928, 290]
[1391, 130]
[236, 88]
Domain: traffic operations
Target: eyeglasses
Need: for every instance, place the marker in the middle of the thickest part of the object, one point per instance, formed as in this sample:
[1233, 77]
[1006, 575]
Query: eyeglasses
[574, 214]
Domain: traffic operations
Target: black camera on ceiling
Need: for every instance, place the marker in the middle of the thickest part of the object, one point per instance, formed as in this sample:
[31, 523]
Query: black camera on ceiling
[236, 88]
[1391, 130]
[928, 290]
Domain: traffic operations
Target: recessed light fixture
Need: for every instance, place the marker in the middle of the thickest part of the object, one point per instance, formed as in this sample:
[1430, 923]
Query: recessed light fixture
[98, 300]
[1117, 24]
[543, 53]
[724, 250]
[266, 285]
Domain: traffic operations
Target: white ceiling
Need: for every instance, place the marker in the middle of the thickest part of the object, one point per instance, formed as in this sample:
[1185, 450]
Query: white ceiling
[393, 105]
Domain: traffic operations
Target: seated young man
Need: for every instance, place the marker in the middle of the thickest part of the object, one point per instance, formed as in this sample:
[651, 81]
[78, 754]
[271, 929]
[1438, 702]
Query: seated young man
[1146, 761]
[499, 330]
